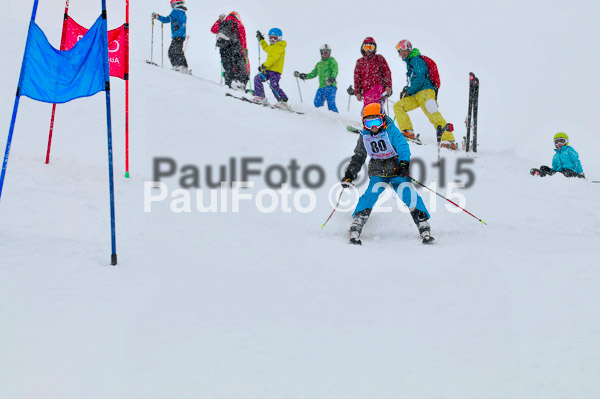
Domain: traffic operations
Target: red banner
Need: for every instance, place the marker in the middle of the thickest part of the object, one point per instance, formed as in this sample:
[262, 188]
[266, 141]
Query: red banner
[117, 45]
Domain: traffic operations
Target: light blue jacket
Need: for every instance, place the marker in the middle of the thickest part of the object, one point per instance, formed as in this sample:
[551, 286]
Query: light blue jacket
[178, 20]
[566, 158]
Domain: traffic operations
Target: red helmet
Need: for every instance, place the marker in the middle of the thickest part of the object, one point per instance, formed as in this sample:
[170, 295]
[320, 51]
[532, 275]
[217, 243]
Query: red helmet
[369, 42]
[176, 3]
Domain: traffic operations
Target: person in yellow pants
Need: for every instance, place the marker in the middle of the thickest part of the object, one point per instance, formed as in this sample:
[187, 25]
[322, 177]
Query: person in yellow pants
[420, 92]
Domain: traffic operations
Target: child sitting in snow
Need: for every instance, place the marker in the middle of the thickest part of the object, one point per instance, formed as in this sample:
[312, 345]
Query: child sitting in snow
[565, 161]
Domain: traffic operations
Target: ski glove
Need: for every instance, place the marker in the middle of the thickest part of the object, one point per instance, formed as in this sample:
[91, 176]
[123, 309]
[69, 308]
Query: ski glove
[404, 92]
[347, 180]
[403, 168]
[350, 90]
[262, 69]
[259, 35]
[329, 81]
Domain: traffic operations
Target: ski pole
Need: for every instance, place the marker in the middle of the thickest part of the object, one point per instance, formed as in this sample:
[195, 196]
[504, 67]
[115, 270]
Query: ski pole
[162, 44]
[185, 44]
[298, 82]
[452, 202]
[152, 44]
[222, 74]
[334, 208]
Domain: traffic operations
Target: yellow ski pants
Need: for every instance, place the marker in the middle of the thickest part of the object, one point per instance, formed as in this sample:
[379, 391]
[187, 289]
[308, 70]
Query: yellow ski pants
[426, 100]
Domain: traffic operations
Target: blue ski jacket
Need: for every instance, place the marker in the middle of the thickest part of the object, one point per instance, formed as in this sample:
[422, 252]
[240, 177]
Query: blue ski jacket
[566, 158]
[418, 73]
[178, 20]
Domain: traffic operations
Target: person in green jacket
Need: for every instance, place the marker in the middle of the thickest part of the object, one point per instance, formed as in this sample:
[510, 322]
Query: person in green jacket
[327, 70]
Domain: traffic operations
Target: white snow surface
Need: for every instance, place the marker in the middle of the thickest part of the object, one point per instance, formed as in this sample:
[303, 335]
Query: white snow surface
[270, 305]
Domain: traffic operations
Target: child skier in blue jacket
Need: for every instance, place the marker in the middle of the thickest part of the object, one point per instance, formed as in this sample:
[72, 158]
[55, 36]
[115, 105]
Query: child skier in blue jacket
[178, 21]
[565, 160]
[390, 158]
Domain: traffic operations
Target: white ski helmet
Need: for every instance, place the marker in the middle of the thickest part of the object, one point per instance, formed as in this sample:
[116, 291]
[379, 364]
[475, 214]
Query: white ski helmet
[325, 47]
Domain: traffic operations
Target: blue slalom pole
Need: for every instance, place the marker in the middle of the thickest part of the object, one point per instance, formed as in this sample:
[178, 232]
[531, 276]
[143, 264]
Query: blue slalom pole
[16, 106]
[113, 257]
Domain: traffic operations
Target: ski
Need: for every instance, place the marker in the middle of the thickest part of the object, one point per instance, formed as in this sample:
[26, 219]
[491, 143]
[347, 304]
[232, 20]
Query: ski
[184, 72]
[470, 144]
[267, 105]
[416, 140]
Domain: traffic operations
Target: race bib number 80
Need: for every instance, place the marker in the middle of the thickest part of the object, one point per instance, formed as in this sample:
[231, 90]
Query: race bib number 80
[379, 146]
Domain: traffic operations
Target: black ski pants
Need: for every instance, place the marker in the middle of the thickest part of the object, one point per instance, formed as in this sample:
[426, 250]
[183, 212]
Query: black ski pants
[176, 55]
[234, 64]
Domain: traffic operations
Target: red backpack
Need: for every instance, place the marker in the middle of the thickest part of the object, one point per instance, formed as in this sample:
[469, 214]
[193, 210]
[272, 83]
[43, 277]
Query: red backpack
[434, 75]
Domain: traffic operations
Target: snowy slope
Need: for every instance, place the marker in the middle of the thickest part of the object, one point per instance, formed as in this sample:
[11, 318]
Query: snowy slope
[267, 305]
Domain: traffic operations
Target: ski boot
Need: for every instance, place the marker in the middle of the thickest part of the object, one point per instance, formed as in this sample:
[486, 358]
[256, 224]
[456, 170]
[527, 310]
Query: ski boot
[409, 134]
[283, 105]
[260, 100]
[449, 144]
[357, 225]
[425, 232]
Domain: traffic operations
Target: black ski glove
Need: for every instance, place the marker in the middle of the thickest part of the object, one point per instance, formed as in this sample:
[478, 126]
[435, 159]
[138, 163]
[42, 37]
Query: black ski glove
[347, 180]
[350, 90]
[403, 168]
[404, 92]
[259, 35]
[302, 76]
[262, 69]
[330, 81]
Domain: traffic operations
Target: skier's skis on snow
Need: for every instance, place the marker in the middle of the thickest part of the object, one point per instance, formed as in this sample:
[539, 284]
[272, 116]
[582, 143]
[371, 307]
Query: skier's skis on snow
[267, 105]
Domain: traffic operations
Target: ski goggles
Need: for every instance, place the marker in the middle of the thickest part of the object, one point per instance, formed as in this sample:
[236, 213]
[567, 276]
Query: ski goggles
[560, 140]
[273, 39]
[373, 122]
[368, 47]
[325, 52]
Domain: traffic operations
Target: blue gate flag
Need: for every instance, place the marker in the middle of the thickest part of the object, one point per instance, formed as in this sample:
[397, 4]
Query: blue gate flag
[54, 76]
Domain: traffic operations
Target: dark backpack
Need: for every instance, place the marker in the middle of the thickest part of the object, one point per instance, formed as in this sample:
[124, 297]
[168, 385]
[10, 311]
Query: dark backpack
[434, 75]
[227, 35]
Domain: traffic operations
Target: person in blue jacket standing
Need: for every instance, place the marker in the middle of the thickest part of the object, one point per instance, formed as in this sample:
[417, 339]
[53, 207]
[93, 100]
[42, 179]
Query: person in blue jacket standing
[565, 160]
[389, 164]
[178, 20]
